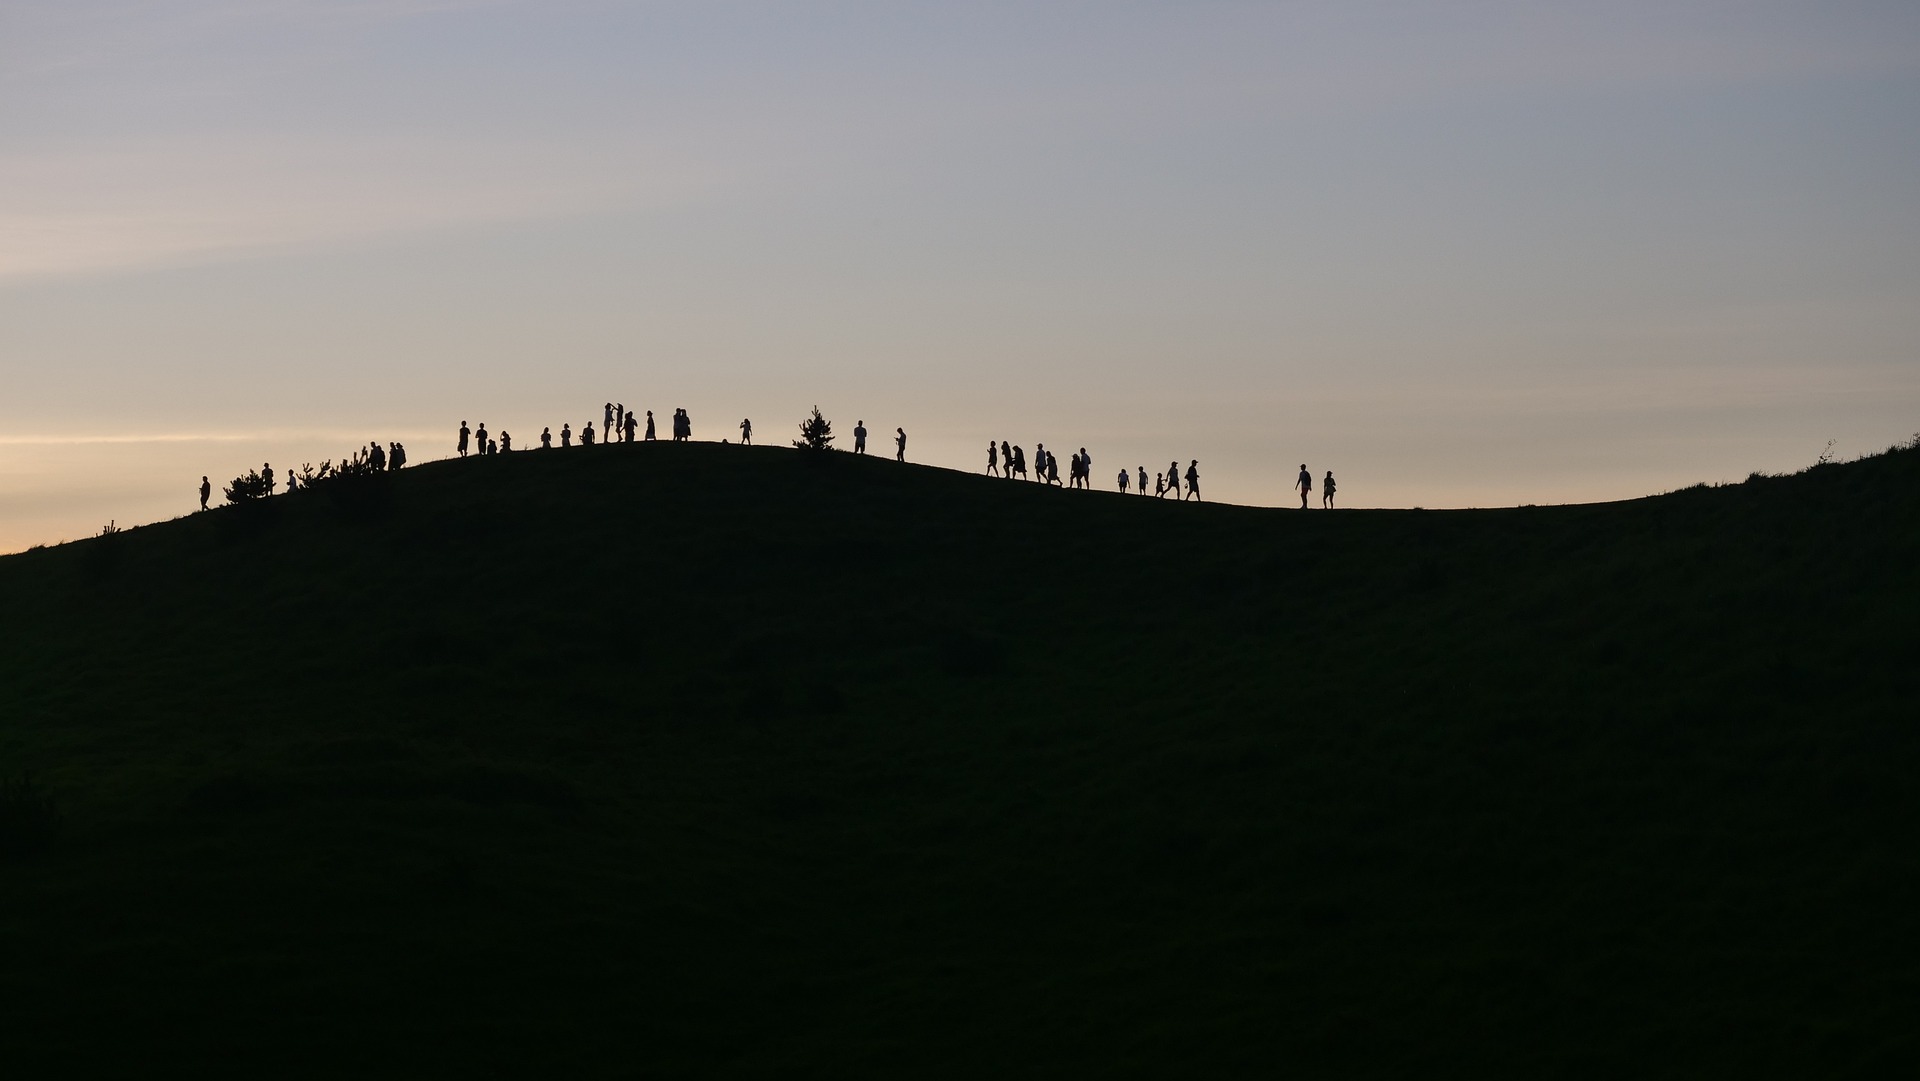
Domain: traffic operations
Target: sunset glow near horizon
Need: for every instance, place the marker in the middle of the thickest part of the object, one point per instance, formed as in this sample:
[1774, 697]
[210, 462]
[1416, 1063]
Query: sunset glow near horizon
[1461, 254]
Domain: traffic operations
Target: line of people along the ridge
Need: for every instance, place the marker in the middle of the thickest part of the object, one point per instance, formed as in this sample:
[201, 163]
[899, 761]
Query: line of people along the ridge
[621, 425]
[1006, 460]
[373, 458]
[618, 424]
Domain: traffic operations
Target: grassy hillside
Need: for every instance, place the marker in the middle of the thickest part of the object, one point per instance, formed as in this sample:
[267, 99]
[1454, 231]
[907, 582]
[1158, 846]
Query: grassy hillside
[691, 759]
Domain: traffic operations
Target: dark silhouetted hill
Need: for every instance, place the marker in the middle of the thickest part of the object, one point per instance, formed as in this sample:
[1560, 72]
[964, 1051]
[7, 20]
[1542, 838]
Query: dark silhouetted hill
[666, 760]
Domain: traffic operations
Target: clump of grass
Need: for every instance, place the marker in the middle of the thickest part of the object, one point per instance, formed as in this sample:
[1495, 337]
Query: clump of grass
[30, 819]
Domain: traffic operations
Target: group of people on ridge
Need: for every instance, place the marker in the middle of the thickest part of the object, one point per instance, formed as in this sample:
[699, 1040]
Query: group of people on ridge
[1006, 460]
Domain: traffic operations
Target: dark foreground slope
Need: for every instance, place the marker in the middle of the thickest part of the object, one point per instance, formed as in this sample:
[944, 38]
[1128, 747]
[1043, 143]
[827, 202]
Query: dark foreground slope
[690, 759]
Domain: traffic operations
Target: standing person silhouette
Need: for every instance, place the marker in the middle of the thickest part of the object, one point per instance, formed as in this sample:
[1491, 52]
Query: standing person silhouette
[566, 436]
[1143, 480]
[206, 489]
[586, 435]
[375, 455]
[746, 432]
[606, 418]
[480, 438]
[993, 458]
[1193, 481]
[464, 433]
[546, 439]
[631, 423]
[1304, 482]
[1326, 492]
[266, 474]
[649, 425]
[1123, 482]
[900, 441]
[859, 437]
[619, 419]
[1086, 469]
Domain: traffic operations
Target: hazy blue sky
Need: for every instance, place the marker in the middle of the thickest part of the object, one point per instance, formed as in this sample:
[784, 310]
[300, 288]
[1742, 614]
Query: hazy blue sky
[1461, 254]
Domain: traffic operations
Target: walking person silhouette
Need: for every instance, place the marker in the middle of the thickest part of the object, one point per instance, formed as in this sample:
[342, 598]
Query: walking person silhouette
[1193, 481]
[1006, 459]
[464, 433]
[1040, 462]
[1326, 492]
[1304, 482]
[746, 432]
[206, 489]
[1143, 480]
[1019, 460]
[993, 458]
[900, 440]
[1173, 477]
[650, 426]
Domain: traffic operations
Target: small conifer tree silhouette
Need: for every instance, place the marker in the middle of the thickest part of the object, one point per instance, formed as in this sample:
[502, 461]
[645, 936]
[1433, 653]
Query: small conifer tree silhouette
[816, 433]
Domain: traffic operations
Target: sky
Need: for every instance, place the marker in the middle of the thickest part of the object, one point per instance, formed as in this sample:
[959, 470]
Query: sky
[1460, 254]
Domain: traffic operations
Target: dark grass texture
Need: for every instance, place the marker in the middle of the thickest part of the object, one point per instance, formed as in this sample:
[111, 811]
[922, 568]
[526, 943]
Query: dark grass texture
[680, 760]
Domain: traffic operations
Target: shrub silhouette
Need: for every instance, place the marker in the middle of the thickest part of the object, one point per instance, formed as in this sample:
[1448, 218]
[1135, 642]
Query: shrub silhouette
[247, 487]
[816, 433]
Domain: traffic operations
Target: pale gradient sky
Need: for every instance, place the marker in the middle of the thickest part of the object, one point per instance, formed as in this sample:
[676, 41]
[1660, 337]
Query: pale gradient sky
[1462, 254]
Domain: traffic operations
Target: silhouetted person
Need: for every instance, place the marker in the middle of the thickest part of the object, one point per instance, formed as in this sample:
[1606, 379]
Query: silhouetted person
[506, 443]
[480, 437]
[1173, 477]
[1326, 492]
[1040, 462]
[993, 458]
[682, 426]
[464, 433]
[1143, 480]
[650, 426]
[1019, 462]
[1053, 469]
[631, 424]
[1193, 481]
[900, 442]
[606, 419]
[566, 436]
[746, 432]
[586, 435]
[493, 446]
[399, 456]
[1006, 456]
[859, 437]
[1086, 469]
[620, 415]
[206, 489]
[546, 439]
[266, 474]
[1304, 482]
[1159, 485]
[1123, 482]
[376, 456]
